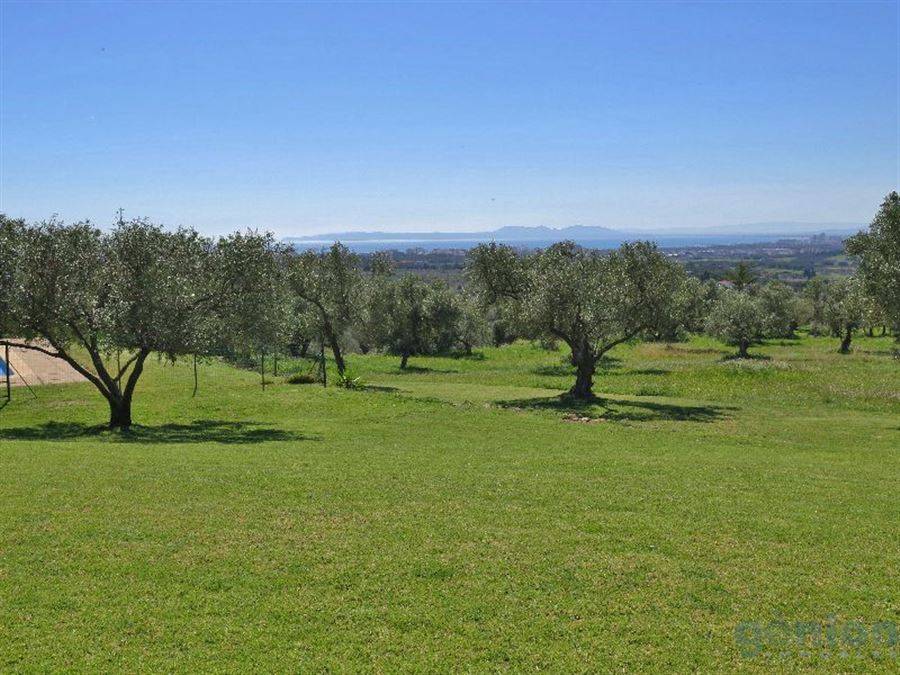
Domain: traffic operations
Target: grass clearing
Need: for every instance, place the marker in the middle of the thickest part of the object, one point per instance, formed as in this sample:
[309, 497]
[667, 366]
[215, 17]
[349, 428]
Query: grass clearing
[452, 517]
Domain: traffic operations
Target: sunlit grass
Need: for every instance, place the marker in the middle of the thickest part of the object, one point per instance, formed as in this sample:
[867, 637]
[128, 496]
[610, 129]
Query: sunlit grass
[458, 516]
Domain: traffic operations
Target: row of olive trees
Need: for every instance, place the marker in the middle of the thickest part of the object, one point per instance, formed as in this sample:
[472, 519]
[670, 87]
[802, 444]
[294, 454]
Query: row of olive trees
[83, 295]
[839, 307]
[79, 294]
[336, 302]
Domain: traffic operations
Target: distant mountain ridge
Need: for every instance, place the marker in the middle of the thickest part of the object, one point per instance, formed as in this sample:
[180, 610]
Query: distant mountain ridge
[590, 233]
[509, 232]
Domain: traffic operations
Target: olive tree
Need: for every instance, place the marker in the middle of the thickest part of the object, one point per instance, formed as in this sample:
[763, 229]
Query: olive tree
[11, 233]
[471, 328]
[814, 293]
[589, 300]
[690, 307]
[375, 302]
[329, 285]
[412, 317]
[845, 309]
[878, 251]
[76, 294]
[251, 313]
[737, 319]
[781, 309]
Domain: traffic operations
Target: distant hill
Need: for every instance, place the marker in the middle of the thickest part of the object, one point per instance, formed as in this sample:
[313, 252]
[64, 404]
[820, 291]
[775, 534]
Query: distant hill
[508, 233]
[591, 236]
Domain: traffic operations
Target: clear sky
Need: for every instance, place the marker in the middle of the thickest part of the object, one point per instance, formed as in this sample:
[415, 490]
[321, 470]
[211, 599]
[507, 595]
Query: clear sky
[319, 117]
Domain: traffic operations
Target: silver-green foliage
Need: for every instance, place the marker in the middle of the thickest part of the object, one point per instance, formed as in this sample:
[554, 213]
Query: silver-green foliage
[589, 300]
[79, 294]
[327, 289]
[738, 319]
[878, 251]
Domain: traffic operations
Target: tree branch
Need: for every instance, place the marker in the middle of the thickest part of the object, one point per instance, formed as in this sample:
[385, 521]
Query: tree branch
[34, 348]
[127, 365]
[602, 350]
[84, 372]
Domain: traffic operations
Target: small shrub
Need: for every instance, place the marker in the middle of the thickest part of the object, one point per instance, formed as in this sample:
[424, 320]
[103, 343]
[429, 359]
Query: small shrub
[348, 381]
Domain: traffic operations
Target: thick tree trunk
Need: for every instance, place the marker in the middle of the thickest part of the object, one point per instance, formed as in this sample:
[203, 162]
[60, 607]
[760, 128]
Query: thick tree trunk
[743, 346]
[403, 359]
[120, 406]
[585, 364]
[119, 399]
[584, 382]
[845, 343]
[120, 413]
[467, 348]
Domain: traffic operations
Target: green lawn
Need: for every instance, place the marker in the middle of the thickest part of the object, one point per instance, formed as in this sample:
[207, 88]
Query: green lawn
[458, 517]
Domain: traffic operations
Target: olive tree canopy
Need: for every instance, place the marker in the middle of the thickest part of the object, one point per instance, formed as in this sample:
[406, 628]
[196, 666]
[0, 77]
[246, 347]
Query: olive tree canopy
[76, 293]
[328, 287]
[845, 309]
[79, 294]
[589, 300]
[737, 318]
[878, 251]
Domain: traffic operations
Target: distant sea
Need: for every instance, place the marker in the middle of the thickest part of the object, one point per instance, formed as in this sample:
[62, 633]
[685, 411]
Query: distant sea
[671, 241]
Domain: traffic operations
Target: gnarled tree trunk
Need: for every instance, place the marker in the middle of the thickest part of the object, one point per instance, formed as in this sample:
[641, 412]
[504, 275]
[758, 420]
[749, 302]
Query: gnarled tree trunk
[585, 364]
[845, 343]
[743, 346]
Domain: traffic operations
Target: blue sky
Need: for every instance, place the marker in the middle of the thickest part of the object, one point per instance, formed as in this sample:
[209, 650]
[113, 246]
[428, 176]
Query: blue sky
[305, 118]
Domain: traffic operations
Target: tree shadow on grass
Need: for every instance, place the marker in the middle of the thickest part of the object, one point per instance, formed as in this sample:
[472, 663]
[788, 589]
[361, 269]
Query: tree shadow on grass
[199, 431]
[618, 409]
[462, 356]
[423, 369]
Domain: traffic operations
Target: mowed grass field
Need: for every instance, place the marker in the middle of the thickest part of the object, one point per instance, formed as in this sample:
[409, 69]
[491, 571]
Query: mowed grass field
[457, 517]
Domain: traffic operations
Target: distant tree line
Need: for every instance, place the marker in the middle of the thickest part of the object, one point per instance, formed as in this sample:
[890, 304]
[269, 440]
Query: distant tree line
[93, 297]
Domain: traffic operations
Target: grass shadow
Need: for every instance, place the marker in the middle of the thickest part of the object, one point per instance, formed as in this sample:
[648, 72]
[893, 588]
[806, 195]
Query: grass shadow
[617, 409]
[200, 431]
[377, 388]
[423, 369]
[474, 356]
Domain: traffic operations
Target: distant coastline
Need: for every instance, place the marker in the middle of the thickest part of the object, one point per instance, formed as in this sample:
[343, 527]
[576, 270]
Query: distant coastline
[590, 237]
